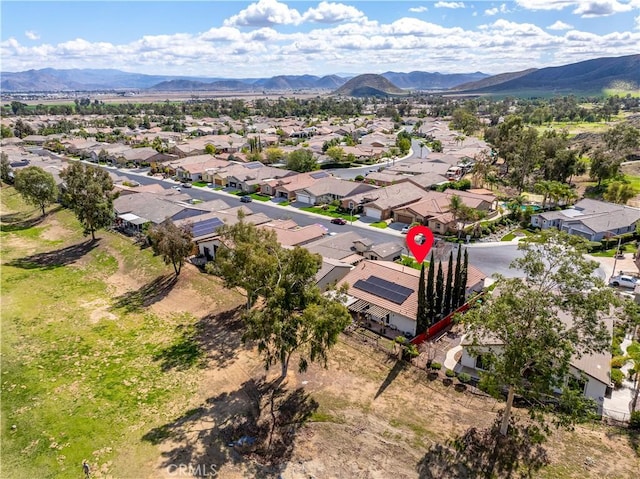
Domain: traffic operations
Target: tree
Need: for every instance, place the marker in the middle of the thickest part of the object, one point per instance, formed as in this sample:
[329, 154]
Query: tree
[622, 139]
[422, 321]
[36, 186]
[172, 242]
[296, 317]
[430, 293]
[87, 190]
[446, 306]
[336, 153]
[463, 279]
[273, 154]
[302, 160]
[439, 290]
[619, 192]
[5, 167]
[457, 279]
[210, 149]
[539, 322]
[603, 166]
[247, 258]
[292, 316]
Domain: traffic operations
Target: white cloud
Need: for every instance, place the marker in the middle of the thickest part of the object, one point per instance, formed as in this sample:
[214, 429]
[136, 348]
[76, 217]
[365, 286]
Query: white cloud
[584, 8]
[637, 19]
[418, 9]
[31, 35]
[265, 13]
[558, 25]
[449, 5]
[495, 10]
[601, 8]
[332, 13]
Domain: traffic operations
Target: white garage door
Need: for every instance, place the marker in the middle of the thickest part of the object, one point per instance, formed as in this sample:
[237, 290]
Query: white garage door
[373, 213]
[303, 198]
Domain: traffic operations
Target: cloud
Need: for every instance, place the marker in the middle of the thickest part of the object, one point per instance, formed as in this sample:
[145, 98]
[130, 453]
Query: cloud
[418, 9]
[601, 8]
[584, 8]
[558, 25]
[495, 10]
[637, 19]
[265, 13]
[31, 35]
[332, 13]
[449, 5]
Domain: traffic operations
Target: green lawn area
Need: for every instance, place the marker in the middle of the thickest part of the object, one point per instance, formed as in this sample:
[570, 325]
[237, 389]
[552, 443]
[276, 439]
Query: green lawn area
[633, 181]
[379, 224]
[513, 234]
[259, 197]
[199, 183]
[86, 372]
[330, 210]
[411, 262]
[626, 248]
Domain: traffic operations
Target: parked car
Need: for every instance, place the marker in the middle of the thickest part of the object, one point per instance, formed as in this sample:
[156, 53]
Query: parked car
[177, 188]
[624, 280]
[246, 199]
[405, 229]
[187, 185]
[339, 221]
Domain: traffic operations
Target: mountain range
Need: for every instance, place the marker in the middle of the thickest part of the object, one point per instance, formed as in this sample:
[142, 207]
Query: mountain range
[587, 77]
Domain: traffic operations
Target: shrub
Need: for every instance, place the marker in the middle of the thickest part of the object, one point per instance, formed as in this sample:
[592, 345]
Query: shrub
[464, 378]
[634, 422]
[449, 373]
[618, 361]
[617, 377]
[436, 366]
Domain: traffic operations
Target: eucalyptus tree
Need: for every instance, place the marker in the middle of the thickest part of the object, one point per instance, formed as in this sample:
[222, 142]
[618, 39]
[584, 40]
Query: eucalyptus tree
[36, 186]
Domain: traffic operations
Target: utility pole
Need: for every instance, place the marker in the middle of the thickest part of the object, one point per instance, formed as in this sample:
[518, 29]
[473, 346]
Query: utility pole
[615, 258]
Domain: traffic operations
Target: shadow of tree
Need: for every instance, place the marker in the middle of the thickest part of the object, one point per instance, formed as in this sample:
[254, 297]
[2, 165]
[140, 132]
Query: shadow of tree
[150, 293]
[399, 366]
[214, 338]
[56, 258]
[18, 221]
[255, 425]
[485, 453]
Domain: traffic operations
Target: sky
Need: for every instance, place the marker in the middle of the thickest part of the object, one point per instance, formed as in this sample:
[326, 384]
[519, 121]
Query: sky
[264, 38]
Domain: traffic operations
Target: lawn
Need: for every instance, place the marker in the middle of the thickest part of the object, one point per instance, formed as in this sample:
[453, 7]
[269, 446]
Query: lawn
[87, 368]
[259, 197]
[379, 224]
[513, 234]
[329, 210]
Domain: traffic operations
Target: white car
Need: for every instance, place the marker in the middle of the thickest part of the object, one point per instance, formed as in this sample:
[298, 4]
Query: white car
[624, 280]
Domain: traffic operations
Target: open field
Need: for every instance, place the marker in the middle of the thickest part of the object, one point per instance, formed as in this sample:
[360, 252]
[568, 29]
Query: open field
[107, 357]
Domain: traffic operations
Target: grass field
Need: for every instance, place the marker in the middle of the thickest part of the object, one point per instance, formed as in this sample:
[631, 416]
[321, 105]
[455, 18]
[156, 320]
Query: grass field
[84, 371]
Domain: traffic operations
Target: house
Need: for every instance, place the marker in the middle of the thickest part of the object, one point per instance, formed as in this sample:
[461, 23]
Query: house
[139, 156]
[252, 176]
[286, 187]
[289, 233]
[590, 219]
[326, 190]
[386, 178]
[590, 371]
[137, 209]
[389, 251]
[200, 170]
[339, 247]
[379, 203]
[386, 293]
[331, 272]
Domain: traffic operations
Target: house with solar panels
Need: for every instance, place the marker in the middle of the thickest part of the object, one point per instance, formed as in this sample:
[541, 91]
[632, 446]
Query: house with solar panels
[383, 295]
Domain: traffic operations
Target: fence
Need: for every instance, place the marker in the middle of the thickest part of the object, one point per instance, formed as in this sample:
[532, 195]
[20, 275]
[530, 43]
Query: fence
[436, 328]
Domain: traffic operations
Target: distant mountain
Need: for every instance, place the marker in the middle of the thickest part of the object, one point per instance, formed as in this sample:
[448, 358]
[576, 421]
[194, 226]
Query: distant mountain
[586, 77]
[493, 80]
[369, 85]
[191, 85]
[431, 81]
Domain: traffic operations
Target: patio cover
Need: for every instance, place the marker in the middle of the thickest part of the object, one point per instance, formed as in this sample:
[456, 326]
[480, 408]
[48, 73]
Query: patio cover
[362, 306]
[133, 219]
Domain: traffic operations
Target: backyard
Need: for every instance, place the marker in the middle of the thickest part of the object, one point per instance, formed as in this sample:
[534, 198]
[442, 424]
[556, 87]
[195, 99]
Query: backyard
[106, 356]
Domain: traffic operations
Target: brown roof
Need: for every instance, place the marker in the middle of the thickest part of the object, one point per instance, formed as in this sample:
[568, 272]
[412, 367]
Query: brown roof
[396, 273]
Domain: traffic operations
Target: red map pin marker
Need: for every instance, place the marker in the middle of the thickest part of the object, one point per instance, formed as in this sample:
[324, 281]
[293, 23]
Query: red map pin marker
[420, 248]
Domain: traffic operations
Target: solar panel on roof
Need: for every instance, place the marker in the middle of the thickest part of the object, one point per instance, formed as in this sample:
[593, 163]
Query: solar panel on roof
[380, 291]
[389, 285]
[206, 227]
[319, 174]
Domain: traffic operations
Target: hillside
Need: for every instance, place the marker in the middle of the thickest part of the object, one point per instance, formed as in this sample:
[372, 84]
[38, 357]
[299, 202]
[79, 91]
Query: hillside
[368, 85]
[587, 77]
[417, 80]
[493, 80]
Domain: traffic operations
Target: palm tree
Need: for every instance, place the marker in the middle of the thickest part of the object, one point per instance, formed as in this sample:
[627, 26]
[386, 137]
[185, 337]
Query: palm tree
[543, 188]
[456, 207]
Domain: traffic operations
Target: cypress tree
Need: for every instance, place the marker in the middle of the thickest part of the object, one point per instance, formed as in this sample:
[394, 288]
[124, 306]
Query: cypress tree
[430, 296]
[439, 291]
[457, 277]
[463, 278]
[446, 305]
[421, 318]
